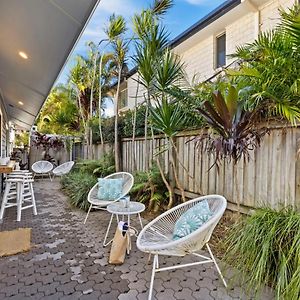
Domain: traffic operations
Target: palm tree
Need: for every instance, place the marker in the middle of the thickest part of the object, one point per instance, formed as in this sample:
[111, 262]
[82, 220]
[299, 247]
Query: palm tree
[60, 114]
[115, 33]
[151, 40]
[79, 82]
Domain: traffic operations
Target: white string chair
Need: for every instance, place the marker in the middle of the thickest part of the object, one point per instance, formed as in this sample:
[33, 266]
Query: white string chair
[42, 167]
[63, 169]
[157, 237]
[128, 181]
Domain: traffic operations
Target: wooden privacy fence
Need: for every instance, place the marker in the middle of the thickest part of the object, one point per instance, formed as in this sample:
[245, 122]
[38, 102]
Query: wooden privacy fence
[271, 177]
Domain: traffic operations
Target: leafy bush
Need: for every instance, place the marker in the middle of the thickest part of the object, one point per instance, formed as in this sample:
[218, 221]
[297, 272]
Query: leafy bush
[77, 186]
[83, 177]
[149, 189]
[99, 168]
[266, 248]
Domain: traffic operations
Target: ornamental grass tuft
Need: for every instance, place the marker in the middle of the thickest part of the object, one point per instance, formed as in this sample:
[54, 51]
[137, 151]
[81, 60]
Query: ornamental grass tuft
[265, 247]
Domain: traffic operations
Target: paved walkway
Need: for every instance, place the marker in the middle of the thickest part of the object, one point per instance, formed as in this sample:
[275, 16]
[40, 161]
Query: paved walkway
[67, 261]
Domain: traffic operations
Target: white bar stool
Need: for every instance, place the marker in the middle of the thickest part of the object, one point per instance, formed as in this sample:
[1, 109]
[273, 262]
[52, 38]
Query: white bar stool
[18, 192]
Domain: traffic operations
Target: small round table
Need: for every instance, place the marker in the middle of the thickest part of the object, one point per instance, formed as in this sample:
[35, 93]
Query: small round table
[118, 209]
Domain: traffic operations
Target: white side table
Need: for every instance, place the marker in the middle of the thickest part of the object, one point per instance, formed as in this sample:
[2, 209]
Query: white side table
[118, 209]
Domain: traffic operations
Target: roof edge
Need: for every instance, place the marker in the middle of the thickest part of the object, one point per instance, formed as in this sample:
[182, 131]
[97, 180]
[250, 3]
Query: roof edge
[201, 24]
[205, 21]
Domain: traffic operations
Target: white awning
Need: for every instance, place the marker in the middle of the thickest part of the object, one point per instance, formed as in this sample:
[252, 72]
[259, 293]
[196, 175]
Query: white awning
[45, 31]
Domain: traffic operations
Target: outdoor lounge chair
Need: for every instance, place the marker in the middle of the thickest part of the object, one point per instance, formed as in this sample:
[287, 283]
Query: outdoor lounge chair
[101, 204]
[63, 169]
[42, 167]
[157, 237]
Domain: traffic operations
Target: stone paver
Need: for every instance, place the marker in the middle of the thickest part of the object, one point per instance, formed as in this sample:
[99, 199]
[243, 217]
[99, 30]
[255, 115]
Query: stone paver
[68, 261]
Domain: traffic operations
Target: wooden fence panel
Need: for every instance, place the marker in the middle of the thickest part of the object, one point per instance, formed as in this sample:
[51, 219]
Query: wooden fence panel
[271, 177]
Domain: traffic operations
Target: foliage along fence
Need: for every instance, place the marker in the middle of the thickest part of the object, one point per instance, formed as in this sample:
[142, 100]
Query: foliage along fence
[270, 178]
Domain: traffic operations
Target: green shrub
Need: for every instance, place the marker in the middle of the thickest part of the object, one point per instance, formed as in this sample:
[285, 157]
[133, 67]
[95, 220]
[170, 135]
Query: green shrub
[150, 189]
[266, 248]
[100, 168]
[83, 177]
[77, 186]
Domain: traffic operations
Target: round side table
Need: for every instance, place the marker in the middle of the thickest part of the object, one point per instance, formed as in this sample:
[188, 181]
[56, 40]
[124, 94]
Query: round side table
[118, 209]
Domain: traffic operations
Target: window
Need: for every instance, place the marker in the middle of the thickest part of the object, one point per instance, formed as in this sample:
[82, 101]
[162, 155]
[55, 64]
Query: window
[221, 50]
[123, 98]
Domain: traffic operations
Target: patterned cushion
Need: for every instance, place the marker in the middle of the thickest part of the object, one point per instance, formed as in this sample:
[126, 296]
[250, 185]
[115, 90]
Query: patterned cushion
[191, 220]
[109, 189]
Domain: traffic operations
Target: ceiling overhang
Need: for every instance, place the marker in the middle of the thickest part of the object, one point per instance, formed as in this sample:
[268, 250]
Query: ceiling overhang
[46, 31]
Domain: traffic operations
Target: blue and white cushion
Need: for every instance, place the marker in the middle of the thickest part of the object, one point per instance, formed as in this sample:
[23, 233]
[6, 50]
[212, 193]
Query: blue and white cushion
[191, 220]
[109, 189]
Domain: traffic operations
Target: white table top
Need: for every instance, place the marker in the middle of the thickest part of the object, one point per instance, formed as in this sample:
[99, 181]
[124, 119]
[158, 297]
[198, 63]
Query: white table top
[119, 209]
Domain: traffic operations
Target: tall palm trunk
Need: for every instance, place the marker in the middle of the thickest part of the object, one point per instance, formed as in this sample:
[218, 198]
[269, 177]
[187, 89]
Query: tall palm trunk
[82, 117]
[174, 165]
[117, 154]
[147, 150]
[134, 124]
[91, 107]
[162, 174]
[99, 102]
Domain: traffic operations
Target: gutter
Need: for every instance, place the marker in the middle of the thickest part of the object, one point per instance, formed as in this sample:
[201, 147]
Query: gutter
[205, 21]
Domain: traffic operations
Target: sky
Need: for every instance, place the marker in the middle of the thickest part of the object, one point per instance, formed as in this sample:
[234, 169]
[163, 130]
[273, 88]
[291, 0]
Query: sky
[181, 16]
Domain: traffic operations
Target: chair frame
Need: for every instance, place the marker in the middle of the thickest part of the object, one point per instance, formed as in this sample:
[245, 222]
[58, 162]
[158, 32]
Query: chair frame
[42, 173]
[102, 206]
[162, 249]
[69, 165]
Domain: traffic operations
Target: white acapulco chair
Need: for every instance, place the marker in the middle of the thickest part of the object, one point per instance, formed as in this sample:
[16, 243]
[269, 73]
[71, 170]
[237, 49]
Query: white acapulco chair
[42, 167]
[63, 169]
[157, 237]
[101, 204]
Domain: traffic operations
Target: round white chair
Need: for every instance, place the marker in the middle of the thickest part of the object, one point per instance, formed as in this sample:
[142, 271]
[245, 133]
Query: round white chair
[101, 204]
[63, 169]
[42, 167]
[157, 237]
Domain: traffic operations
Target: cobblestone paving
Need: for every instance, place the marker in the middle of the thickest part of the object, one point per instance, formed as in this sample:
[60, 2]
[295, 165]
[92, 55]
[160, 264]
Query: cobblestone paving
[67, 261]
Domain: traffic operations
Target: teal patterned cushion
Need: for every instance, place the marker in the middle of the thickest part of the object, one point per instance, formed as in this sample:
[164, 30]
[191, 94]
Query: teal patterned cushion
[191, 220]
[109, 189]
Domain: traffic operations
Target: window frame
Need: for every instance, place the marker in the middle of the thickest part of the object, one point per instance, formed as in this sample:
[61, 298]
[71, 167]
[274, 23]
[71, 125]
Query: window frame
[216, 55]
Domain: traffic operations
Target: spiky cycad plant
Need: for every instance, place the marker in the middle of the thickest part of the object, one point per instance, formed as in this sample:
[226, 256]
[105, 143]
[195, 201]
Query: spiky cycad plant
[233, 132]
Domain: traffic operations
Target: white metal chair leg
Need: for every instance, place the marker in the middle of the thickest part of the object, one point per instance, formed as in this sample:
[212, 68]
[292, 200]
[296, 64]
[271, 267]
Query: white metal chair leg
[217, 267]
[87, 214]
[107, 231]
[140, 219]
[20, 188]
[154, 266]
[33, 199]
[4, 200]
[50, 177]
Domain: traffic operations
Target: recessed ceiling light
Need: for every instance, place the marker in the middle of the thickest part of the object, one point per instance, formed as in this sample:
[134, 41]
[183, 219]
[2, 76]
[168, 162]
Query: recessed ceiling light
[23, 54]
[20, 102]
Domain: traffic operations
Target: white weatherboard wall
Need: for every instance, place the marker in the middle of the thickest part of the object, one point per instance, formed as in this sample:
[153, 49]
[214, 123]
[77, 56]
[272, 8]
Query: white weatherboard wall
[4, 128]
[132, 86]
[199, 58]
[269, 13]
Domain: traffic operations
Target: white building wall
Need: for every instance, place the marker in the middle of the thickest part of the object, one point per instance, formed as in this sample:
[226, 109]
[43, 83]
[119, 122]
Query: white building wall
[269, 13]
[4, 129]
[132, 86]
[240, 32]
[199, 59]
